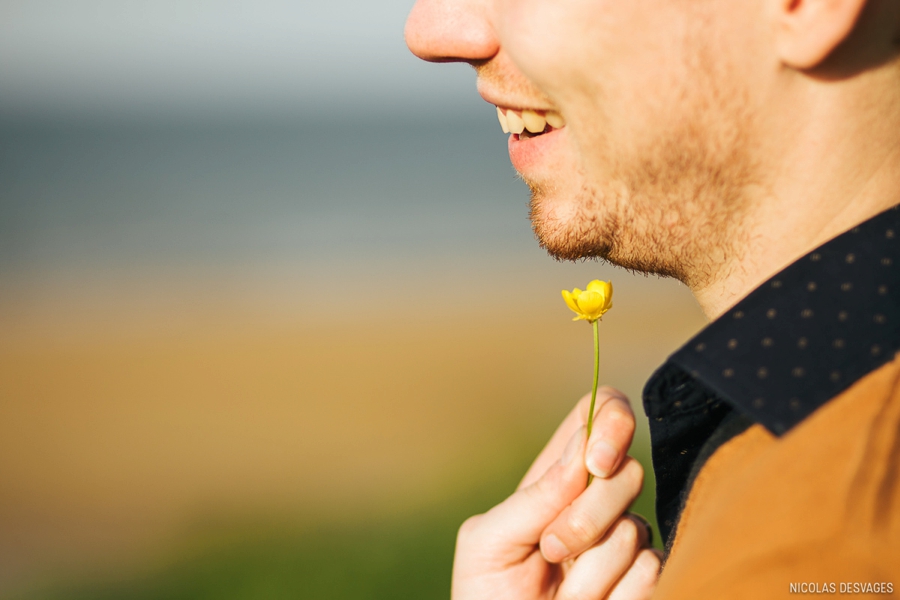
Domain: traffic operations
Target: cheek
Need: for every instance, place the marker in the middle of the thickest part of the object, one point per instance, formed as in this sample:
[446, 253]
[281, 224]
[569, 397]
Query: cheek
[569, 47]
[615, 70]
[548, 40]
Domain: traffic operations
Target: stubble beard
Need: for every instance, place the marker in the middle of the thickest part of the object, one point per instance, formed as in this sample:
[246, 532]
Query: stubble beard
[675, 206]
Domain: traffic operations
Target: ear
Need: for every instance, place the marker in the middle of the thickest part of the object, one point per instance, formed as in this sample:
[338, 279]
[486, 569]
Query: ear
[808, 31]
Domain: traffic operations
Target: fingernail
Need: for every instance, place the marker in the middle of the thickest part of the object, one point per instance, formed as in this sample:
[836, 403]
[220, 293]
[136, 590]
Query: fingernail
[573, 448]
[553, 549]
[601, 458]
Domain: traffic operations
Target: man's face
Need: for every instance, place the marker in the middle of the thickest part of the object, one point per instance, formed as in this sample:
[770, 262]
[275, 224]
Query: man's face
[651, 168]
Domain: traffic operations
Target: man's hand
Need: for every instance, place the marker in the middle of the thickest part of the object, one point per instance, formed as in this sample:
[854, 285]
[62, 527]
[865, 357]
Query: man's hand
[556, 537]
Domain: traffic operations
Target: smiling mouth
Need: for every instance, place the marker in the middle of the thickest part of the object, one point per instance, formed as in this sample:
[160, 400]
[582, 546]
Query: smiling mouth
[529, 123]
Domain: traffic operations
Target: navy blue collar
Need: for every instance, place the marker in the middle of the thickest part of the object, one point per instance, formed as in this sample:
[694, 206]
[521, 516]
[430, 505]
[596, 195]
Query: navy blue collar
[808, 333]
[790, 346]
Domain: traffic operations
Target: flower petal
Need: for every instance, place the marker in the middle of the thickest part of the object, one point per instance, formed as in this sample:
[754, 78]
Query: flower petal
[591, 304]
[597, 286]
[602, 287]
[570, 300]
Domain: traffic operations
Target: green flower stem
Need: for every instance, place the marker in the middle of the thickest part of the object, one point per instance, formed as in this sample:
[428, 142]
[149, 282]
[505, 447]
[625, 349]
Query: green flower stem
[590, 422]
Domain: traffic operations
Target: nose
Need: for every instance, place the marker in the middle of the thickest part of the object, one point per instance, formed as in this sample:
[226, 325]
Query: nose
[451, 31]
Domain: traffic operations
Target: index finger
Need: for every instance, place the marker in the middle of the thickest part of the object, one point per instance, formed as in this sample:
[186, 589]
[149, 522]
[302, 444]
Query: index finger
[575, 419]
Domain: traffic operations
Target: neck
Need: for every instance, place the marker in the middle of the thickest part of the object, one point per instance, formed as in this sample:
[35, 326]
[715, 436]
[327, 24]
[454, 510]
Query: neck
[838, 164]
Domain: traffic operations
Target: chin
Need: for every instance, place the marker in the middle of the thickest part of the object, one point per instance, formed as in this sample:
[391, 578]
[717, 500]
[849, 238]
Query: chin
[571, 226]
[613, 228]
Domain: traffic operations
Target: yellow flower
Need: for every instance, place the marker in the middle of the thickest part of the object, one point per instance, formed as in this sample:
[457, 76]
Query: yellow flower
[592, 303]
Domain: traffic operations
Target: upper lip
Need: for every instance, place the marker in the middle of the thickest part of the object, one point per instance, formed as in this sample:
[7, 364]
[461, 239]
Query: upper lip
[519, 107]
[510, 101]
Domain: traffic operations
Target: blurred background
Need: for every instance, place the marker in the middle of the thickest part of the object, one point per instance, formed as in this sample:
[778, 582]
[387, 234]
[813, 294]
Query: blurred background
[272, 318]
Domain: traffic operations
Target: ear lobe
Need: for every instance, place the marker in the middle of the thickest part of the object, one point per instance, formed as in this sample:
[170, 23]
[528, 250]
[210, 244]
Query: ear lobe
[807, 31]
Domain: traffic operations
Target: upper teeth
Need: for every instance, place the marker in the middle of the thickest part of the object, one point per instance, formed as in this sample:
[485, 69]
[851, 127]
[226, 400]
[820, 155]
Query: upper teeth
[515, 121]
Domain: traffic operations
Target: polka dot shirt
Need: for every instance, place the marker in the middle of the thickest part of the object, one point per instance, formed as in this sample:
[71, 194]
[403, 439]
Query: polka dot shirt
[795, 342]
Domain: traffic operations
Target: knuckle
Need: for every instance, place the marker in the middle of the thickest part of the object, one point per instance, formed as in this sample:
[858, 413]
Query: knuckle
[626, 535]
[468, 527]
[647, 567]
[611, 391]
[619, 417]
[618, 423]
[633, 475]
[582, 528]
[575, 593]
[546, 485]
[578, 590]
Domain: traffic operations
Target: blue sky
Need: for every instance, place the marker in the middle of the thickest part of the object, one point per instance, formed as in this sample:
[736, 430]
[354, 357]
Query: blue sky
[158, 58]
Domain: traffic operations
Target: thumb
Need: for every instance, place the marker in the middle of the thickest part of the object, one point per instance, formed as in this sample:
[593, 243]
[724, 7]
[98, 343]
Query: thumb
[520, 519]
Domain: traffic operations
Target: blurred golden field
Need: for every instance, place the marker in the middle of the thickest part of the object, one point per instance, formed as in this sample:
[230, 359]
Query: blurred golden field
[273, 322]
[154, 434]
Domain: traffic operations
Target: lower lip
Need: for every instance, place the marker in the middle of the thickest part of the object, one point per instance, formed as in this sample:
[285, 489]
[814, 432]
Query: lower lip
[529, 153]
